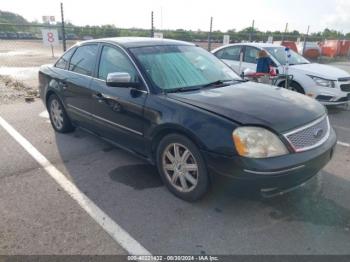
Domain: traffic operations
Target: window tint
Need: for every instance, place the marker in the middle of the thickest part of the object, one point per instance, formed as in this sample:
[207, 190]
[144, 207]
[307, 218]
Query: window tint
[63, 61]
[113, 60]
[250, 54]
[230, 53]
[83, 60]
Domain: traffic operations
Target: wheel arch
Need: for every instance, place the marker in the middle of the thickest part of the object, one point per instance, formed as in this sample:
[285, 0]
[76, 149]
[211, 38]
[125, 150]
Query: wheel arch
[282, 83]
[168, 129]
[49, 93]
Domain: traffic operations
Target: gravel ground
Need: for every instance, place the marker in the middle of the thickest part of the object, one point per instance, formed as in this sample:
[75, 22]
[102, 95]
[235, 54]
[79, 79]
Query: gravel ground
[12, 90]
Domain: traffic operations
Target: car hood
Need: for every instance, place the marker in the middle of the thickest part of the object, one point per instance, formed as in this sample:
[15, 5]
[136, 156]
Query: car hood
[256, 104]
[323, 71]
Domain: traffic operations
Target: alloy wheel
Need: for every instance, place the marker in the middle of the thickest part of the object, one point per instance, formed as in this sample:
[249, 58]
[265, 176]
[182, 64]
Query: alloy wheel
[56, 112]
[180, 167]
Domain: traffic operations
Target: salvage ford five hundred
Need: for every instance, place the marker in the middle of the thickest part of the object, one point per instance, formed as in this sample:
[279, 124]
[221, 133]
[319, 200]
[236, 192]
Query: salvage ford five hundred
[185, 111]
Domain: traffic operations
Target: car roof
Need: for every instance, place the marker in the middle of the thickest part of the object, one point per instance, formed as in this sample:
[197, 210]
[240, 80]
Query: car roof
[130, 42]
[258, 45]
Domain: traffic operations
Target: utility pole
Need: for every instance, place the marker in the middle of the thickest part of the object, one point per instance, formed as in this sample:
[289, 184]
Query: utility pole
[152, 25]
[251, 32]
[305, 39]
[209, 35]
[285, 31]
[63, 30]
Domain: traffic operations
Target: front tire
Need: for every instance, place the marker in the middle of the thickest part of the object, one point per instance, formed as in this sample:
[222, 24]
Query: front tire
[294, 86]
[58, 116]
[182, 167]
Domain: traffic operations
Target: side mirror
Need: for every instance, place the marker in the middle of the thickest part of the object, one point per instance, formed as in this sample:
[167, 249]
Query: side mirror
[121, 79]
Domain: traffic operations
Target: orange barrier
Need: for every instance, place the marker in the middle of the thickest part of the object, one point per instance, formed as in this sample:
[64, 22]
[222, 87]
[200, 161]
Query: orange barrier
[291, 45]
[334, 48]
[344, 47]
[312, 53]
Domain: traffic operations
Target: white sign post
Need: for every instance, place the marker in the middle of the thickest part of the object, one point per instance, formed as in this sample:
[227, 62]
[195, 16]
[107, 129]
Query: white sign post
[226, 40]
[270, 39]
[158, 35]
[48, 19]
[50, 38]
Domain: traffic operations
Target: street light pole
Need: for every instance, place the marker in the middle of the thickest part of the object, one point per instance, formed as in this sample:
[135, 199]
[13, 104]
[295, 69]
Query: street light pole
[305, 38]
[63, 30]
[209, 35]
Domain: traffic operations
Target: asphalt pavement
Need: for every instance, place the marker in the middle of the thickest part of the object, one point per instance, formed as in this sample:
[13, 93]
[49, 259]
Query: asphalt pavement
[38, 217]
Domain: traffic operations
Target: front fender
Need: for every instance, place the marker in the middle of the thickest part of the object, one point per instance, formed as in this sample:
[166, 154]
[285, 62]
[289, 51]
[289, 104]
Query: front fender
[209, 131]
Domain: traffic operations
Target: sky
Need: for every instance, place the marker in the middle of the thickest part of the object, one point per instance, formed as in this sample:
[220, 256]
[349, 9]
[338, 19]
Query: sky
[193, 14]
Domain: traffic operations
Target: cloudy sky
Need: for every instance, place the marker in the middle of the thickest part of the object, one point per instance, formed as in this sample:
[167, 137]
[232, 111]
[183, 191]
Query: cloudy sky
[194, 14]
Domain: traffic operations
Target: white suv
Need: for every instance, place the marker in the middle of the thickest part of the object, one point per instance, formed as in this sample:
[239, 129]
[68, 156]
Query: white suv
[327, 84]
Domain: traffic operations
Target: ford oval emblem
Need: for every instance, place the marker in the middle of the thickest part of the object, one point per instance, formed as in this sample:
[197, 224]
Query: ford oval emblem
[318, 133]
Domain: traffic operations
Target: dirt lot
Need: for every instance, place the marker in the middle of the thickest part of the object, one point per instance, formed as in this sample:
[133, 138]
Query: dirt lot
[19, 64]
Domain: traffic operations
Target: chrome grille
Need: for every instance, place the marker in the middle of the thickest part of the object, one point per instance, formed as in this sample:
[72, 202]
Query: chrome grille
[345, 87]
[344, 79]
[310, 135]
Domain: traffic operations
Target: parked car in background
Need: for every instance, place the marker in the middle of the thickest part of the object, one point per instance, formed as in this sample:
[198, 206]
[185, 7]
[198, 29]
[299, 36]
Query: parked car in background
[327, 84]
[185, 111]
[312, 50]
[3, 35]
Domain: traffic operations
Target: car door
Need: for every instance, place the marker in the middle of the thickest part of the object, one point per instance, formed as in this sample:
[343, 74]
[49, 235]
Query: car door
[250, 58]
[118, 111]
[230, 55]
[76, 85]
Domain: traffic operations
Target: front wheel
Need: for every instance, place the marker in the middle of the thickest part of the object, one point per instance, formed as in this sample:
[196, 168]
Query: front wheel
[294, 86]
[182, 167]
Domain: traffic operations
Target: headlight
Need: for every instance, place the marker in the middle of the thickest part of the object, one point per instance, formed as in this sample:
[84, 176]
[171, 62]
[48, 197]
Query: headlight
[322, 82]
[257, 142]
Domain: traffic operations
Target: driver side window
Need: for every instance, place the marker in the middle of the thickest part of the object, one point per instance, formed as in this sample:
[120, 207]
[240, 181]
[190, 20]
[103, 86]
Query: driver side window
[113, 60]
[230, 53]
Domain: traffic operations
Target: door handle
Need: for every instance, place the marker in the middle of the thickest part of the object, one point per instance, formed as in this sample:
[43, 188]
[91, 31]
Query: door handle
[63, 85]
[100, 97]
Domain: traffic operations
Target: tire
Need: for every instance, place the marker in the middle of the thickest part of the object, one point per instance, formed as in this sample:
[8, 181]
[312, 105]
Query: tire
[184, 173]
[294, 86]
[58, 116]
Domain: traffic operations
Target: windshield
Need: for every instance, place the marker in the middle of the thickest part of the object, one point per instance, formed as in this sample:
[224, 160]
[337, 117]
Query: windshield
[280, 55]
[173, 67]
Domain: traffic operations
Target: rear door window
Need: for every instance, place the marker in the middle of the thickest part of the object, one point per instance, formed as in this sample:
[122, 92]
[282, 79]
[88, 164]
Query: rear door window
[64, 60]
[83, 60]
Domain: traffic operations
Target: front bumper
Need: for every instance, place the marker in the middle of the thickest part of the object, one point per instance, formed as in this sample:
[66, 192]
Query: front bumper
[331, 96]
[277, 173]
[331, 100]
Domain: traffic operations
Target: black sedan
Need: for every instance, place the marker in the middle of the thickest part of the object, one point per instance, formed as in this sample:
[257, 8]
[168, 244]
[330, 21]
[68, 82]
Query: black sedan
[185, 111]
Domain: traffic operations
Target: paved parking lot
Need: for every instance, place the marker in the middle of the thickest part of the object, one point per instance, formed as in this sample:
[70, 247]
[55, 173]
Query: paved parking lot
[38, 217]
[107, 201]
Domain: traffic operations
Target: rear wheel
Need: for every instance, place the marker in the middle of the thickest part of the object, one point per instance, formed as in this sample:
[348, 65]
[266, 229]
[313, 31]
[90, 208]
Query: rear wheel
[182, 167]
[58, 116]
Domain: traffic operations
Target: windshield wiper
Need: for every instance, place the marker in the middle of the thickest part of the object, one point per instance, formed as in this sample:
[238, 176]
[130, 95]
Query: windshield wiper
[303, 63]
[181, 89]
[220, 83]
[216, 83]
